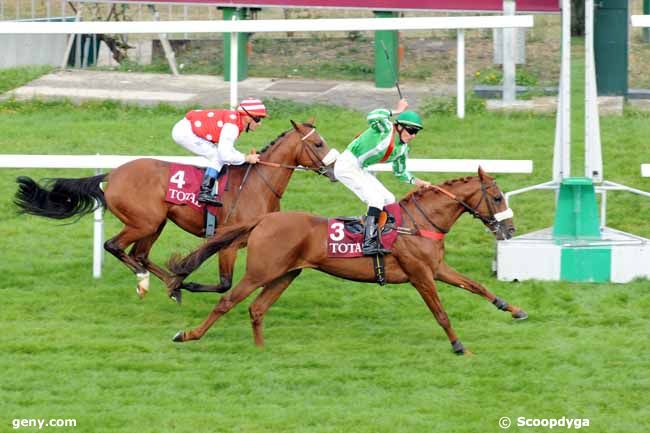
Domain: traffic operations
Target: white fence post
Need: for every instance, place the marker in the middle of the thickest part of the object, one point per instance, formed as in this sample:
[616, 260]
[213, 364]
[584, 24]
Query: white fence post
[460, 74]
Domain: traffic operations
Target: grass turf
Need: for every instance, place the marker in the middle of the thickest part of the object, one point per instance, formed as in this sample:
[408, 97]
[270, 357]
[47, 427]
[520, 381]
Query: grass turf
[340, 356]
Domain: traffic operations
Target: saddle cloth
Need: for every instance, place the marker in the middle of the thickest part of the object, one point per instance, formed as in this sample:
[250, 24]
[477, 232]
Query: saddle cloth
[345, 234]
[184, 184]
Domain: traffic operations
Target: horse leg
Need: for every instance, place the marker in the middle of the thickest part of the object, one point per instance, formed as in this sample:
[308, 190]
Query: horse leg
[449, 275]
[119, 243]
[270, 293]
[227, 258]
[245, 287]
[140, 252]
[427, 289]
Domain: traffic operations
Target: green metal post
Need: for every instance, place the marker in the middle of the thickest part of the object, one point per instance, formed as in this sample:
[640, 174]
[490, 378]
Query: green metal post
[610, 47]
[386, 70]
[242, 42]
[576, 227]
[646, 11]
[576, 216]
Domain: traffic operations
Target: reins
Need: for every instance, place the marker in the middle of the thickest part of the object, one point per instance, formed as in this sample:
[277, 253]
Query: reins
[314, 158]
[276, 165]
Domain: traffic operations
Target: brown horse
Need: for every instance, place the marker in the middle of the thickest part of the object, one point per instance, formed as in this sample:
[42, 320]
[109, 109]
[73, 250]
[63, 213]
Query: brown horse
[280, 245]
[135, 194]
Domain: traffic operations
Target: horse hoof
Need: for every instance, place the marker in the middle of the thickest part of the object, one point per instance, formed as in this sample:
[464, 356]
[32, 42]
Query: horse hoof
[520, 315]
[178, 338]
[458, 347]
[141, 292]
[177, 296]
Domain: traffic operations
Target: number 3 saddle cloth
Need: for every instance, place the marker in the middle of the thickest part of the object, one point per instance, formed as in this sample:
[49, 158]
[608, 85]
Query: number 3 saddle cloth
[345, 234]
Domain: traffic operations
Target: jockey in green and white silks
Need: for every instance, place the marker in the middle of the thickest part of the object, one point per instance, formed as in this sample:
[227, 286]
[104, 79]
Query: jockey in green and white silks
[383, 141]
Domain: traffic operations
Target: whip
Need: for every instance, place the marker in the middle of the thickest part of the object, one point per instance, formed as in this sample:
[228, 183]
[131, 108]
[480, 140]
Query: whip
[383, 45]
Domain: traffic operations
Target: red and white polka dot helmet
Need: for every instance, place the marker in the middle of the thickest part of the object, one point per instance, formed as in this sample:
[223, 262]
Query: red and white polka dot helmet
[252, 107]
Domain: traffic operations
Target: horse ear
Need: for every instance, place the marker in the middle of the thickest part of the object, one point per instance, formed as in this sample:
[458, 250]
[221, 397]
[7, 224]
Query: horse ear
[295, 125]
[312, 120]
[482, 174]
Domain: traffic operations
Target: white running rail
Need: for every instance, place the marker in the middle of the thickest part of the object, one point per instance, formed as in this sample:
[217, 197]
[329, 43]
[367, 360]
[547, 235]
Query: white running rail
[99, 162]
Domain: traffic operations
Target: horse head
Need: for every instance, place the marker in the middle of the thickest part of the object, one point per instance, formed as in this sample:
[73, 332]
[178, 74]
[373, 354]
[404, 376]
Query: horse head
[486, 202]
[479, 195]
[311, 149]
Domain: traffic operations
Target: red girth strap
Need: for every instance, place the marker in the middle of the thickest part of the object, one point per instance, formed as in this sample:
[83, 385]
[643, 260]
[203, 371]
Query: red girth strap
[391, 146]
[431, 235]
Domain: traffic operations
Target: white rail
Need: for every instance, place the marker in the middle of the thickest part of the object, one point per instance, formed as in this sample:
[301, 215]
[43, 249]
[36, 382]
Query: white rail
[308, 25]
[640, 20]
[259, 26]
[99, 162]
[645, 170]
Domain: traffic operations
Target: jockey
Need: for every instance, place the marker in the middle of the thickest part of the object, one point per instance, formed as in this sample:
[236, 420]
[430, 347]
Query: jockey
[384, 141]
[212, 134]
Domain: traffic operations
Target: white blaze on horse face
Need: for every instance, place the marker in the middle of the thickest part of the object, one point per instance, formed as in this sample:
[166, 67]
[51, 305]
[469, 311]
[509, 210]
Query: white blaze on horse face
[504, 215]
[331, 156]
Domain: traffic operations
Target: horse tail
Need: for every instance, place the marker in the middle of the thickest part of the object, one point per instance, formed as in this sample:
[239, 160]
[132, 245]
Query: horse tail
[59, 198]
[225, 237]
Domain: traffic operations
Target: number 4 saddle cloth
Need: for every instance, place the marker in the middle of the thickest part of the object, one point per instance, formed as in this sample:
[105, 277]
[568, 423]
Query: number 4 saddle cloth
[184, 184]
[345, 234]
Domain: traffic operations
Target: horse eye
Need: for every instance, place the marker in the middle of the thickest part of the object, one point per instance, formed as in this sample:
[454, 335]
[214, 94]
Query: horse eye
[319, 144]
[498, 199]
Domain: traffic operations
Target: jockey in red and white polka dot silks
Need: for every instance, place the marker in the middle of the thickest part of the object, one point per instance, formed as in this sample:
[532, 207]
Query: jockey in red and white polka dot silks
[212, 133]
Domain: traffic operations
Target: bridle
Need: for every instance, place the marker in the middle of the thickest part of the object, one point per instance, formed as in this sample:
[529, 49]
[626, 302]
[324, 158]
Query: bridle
[320, 165]
[320, 169]
[493, 222]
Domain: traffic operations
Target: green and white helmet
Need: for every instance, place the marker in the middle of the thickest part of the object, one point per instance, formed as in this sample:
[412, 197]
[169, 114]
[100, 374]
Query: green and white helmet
[409, 118]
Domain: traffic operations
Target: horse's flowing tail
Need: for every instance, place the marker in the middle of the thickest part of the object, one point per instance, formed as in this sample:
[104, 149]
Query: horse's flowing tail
[59, 198]
[225, 237]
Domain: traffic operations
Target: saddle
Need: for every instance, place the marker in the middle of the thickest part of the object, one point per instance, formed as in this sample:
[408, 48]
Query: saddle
[345, 238]
[183, 187]
[355, 225]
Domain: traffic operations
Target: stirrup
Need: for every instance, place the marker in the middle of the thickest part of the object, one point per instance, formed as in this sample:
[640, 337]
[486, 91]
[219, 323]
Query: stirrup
[210, 201]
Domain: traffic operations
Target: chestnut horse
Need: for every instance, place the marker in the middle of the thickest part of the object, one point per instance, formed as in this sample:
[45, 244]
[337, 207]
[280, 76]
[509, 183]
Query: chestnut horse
[281, 244]
[135, 194]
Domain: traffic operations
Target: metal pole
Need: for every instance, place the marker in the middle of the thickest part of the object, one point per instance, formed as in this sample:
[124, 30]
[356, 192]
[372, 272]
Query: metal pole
[460, 74]
[233, 69]
[509, 73]
[98, 239]
[646, 11]
[593, 152]
[562, 149]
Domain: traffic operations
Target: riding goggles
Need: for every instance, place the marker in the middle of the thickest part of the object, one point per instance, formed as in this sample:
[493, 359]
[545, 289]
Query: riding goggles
[256, 119]
[411, 129]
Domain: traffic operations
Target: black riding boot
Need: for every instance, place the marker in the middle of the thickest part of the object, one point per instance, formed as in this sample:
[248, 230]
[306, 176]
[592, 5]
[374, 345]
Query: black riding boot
[371, 239]
[205, 194]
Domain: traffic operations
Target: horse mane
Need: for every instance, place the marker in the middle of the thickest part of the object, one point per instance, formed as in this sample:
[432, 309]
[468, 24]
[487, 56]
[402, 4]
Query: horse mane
[418, 192]
[282, 134]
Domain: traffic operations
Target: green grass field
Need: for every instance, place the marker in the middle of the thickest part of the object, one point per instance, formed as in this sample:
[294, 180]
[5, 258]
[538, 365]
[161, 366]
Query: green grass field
[340, 356]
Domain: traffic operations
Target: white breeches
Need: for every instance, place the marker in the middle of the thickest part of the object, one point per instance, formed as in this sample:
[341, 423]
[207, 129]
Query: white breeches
[366, 186]
[183, 135]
